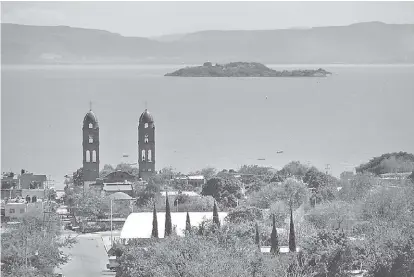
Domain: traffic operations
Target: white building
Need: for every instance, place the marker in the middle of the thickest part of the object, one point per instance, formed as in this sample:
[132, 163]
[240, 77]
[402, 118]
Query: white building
[139, 225]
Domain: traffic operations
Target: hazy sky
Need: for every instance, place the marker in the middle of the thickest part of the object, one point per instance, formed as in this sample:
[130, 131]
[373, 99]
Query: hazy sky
[161, 18]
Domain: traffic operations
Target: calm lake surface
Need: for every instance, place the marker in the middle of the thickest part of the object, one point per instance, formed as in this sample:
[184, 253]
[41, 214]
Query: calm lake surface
[345, 119]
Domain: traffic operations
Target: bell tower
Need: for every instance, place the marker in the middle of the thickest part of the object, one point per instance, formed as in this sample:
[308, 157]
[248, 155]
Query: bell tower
[146, 145]
[90, 145]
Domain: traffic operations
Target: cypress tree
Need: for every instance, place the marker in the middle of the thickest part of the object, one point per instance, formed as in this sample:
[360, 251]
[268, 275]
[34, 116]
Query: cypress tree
[257, 239]
[292, 241]
[216, 219]
[168, 223]
[188, 223]
[274, 248]
[154, 233]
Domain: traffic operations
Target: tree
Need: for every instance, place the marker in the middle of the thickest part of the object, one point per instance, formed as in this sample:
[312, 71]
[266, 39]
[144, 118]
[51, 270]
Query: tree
[332, 214]
[207, 172]
[295, 192]
[411, 177]
[357, 187]
[32, 249]
[257, 236]
[128, 168]
[154, 232]
[188, 223]
[328, 253]
[292, 241]
[294, 169]
[151, 190]
[216, 219]
[78, 177]
[388, 206]
[274, 248]
[323, 185]
[107, 168]
[168, 222]
[226, 190]
[199, 256]
[243, 214]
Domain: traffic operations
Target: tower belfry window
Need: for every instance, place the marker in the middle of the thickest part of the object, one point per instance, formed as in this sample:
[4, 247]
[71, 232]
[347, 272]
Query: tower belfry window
[94, 156]
[149, 156]
[146, 125]
[90, 125]
[146, 138]
[143, 155]
[90, 139]
[88, 156]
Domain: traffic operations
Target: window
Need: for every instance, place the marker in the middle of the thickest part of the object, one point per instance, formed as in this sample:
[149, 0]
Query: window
[149, 169]
[143, 155]
[94, 156]
[146, 138]
[90, 139]
[146, 125]
[12, 211]
[21, 211]
[88, 156]
[149, 156]
[90, 125]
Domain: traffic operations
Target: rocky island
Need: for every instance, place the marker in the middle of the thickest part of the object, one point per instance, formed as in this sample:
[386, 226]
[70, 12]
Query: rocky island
[244, 69]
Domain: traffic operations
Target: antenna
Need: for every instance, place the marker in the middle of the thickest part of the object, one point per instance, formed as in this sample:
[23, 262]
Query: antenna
[90, 105]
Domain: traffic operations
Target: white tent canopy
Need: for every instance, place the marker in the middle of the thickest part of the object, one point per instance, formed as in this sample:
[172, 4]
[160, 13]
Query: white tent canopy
[139, 225]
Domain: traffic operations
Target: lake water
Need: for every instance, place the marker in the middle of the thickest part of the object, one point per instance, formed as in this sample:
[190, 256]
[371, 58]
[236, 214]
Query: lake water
[355, 114]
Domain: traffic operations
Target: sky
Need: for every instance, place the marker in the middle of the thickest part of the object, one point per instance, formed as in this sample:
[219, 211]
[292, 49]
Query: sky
[148, 19]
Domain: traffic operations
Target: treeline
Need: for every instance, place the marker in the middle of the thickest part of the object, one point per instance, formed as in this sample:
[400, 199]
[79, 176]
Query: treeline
[360, 223]
[389, 163]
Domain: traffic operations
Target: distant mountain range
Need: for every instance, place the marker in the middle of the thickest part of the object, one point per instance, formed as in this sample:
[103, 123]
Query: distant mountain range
[362, 43]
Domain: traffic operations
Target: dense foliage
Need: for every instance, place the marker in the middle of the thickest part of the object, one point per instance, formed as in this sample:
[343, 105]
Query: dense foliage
[33, 248]
[226, 190]
[389, 163]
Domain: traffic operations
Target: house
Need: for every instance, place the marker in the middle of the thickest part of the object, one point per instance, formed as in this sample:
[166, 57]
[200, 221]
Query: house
[395, 176]
[34, 194]
[9, 185]
[194, 180]
[139, 225]
[117, 181]
[32, 181]
[18, 209]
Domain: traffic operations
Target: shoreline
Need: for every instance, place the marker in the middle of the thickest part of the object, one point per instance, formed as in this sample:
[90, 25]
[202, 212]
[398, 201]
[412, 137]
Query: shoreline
[178, 66]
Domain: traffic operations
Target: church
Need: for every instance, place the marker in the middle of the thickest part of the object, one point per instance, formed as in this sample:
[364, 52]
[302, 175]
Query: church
[90, 146]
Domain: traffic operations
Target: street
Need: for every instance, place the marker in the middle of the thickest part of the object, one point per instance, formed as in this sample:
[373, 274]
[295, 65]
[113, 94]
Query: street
[88, 257]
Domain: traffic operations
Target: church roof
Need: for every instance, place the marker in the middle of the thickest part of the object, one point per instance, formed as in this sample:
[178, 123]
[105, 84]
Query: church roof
[146, 117]
[90, 117]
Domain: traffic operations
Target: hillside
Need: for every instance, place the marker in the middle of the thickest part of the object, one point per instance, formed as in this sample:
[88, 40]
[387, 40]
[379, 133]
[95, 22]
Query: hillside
[359, 43]
[389, 163]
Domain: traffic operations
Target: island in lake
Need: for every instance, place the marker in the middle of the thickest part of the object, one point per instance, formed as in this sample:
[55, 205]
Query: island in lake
[244, 69]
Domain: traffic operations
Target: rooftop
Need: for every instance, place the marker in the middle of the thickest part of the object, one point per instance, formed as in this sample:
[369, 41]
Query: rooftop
[146, 117]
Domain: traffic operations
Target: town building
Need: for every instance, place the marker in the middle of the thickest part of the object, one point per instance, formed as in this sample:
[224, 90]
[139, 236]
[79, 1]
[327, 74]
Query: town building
[32, 181]
[195, 180]
[9, 185]
[395, 176]
[146, 145]
[90, 143]
[117, 181]
[18, 209]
